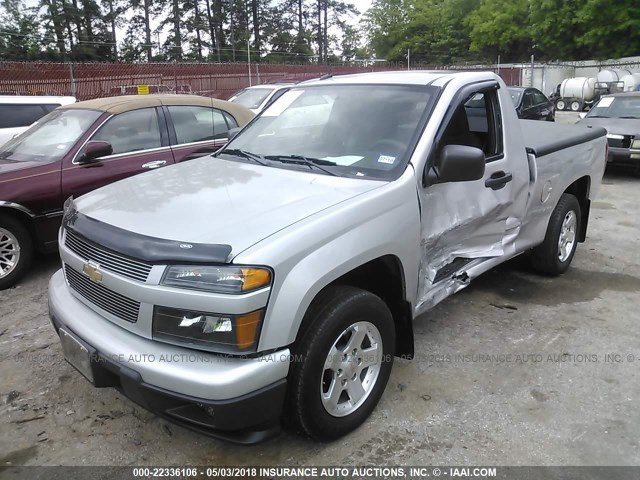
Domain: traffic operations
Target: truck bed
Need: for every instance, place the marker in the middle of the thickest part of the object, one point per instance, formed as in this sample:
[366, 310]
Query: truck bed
[543, 138]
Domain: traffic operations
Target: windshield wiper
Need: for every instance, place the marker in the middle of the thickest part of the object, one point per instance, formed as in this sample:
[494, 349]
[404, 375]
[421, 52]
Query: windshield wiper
[629, 116]
[302, 160]
[244, 154]
[6, 154]
[597, 116]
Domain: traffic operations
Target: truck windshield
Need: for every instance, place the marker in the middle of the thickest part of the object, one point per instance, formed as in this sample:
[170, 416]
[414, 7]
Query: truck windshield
[616, 107]
[51, 137]
[252, 97]
[348, 130]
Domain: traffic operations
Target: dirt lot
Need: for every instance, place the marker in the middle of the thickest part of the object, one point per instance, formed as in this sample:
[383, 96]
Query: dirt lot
[511, 371]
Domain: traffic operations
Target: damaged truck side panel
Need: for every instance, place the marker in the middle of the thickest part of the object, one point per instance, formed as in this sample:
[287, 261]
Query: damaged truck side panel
[350, 206]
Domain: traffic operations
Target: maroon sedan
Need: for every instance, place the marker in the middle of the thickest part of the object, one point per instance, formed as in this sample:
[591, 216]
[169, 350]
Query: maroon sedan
[83, 146]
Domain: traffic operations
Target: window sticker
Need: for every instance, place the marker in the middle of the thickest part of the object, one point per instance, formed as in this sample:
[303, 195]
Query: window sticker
[344, 160]
[281, 104]
[388, 159]
[605, 102]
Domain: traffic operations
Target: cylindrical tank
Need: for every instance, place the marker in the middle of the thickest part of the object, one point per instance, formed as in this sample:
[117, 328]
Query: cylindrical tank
[631, 82]
[611, 76]
[578, 87]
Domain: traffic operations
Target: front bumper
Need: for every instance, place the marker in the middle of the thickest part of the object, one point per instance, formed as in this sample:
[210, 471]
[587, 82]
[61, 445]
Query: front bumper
[624, 156]
[238, 399]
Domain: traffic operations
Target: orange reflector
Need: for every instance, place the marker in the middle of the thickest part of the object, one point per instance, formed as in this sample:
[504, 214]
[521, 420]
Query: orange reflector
[247, 329]
[255, 278]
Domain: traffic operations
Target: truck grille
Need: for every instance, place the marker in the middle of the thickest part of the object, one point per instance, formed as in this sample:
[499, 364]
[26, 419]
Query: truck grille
[117, 305]
[107, 259]
[624, 143]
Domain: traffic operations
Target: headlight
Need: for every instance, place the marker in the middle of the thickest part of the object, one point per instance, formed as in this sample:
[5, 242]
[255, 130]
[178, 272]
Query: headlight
[209, 331]
[225, 279]
[68, 209]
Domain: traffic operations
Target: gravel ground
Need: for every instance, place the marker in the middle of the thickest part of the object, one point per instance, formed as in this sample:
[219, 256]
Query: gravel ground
[512, 371]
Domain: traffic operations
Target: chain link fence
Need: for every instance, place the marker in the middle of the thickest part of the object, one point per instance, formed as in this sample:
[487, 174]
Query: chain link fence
[92, 80]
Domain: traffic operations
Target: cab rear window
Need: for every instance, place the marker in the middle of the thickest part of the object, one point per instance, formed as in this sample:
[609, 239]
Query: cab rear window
[23, 115]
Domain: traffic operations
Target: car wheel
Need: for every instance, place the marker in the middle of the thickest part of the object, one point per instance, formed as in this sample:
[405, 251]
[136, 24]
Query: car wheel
[342, 362]
[561, 105]
[554, 255]
[576, 106]
[16, 251]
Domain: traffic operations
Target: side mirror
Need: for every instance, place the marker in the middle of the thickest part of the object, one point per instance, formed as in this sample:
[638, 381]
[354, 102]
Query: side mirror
[233, 132]
[94, 150]
[583, 114]
[457, 163]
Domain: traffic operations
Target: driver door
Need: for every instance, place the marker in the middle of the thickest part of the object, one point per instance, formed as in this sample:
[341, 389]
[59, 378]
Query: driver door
[463, 222]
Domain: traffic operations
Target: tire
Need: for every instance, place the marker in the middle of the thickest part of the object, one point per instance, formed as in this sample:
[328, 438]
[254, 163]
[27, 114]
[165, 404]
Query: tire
[320, 366]
[16, 246]
[561, 104]
[576, 106]
[550, 257]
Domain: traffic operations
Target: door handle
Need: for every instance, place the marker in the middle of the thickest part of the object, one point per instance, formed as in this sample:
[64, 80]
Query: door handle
[498, 180]
[155, 164]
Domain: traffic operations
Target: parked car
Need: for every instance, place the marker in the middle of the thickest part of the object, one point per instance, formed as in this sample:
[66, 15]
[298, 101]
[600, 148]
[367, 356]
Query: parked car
[257, 97]
[532, 104]
[283, 275]
[78, 148]
[17, 113]
[619, 114]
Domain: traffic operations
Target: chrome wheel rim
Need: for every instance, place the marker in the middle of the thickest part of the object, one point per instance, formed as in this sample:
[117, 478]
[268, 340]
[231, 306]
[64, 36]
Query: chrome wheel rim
[9, 252]
[567, 236]
[351, 369]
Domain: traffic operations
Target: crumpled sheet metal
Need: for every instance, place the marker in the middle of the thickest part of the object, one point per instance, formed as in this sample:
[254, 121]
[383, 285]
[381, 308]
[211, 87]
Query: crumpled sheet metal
[453, 226]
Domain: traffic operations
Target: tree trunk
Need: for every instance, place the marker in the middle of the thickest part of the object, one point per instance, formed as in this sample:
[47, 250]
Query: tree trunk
[256, 26]
[177, 35]
[320, 48]
[147, 30]
[231, 30]
[325, 39]
[112, 19]
[58, 28]
[66, 15]
[215, 41]
[196, 13]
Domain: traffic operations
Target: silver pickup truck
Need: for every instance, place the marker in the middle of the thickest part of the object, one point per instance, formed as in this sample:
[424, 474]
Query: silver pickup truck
[279, 278]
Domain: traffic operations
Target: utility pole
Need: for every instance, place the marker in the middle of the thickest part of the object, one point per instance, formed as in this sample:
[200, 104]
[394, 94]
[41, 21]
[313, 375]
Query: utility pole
[249, 60]
[532, 66]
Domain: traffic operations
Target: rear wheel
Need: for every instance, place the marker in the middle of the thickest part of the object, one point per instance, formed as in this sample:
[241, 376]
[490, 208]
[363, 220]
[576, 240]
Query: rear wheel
[16, 251]
[576, 106]
[342, 362]
[554, 255]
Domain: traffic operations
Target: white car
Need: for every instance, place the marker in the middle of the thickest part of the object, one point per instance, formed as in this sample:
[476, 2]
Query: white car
[256, 98]
[17, 113]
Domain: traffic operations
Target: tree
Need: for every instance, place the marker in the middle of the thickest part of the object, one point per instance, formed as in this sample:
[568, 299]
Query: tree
[501, 27]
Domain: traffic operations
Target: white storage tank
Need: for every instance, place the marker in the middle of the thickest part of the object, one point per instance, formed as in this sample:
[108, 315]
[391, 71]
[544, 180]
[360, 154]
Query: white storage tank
[611, 76]
[579, 87]
[631, 82]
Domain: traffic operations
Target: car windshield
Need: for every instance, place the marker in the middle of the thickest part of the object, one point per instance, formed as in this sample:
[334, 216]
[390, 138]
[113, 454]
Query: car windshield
[349, 130]
[617, 107]
[51, 137]
[516, 94]
[252, 97]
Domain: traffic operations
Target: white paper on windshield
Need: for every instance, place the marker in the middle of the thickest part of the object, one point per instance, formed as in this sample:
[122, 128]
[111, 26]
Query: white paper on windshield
[605, 102]
[344, 160]
[282, 103]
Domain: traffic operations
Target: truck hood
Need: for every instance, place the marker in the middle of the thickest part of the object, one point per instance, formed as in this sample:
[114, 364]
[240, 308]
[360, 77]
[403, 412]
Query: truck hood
[620, 126]
[216, 201]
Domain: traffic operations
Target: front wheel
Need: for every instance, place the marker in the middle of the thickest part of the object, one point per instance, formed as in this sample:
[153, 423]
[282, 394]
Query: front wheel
[561, 105]
[16, 251]
[554, 255]
[342, 362]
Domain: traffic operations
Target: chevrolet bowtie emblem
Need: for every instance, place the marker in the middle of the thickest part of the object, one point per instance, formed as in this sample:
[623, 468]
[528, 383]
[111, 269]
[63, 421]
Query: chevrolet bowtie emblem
[91, 270]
